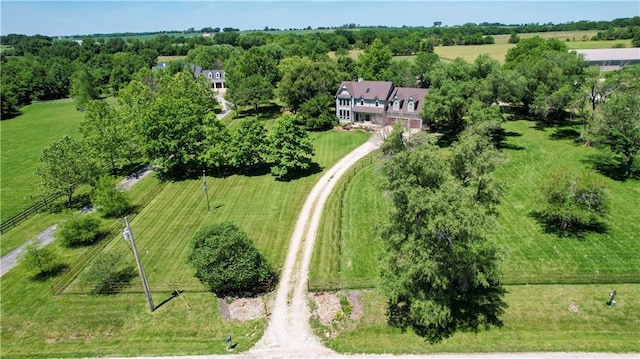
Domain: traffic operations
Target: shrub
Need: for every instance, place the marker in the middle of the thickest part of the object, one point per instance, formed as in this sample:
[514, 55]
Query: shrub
[40, 260]
[107, 274]
[80, 230]
[573, 204]
[226, 261]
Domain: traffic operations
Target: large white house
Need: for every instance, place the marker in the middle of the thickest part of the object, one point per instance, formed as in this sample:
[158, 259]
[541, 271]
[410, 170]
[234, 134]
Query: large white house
[379, 102]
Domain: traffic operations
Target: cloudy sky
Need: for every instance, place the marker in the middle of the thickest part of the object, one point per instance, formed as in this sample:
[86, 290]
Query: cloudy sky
[89, 17]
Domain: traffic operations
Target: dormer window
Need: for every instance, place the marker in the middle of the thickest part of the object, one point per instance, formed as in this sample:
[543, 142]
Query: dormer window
[361, 102]
[410, 106]
[217, 75]
[377, 103]
[210, 75]
[396, 105]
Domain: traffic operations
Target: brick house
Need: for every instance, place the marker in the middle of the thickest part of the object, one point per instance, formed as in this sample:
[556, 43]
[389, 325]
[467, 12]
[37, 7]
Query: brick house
[379, 103]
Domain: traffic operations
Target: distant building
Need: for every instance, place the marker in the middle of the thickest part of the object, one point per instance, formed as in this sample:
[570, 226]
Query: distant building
[611, 59]
[380, 103]
[215, 77]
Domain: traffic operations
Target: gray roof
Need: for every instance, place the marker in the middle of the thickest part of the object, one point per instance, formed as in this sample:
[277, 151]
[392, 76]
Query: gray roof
[625, 54]
[404, 94]
[162, 65]
[198, 71]
[368, 90]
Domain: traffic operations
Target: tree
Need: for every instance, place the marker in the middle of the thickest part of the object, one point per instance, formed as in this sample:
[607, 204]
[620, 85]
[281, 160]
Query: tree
[253, 71]
[619, 127]
[439, 270]
[249, 145]
[306, 79]
[80, 230]
[394, 143]
[108, 199]
[106, 134]
[107, 273]
[41, 261]
[316, 112]
[374, 60]
[422, 66]
[571, 203]
[226, 261]
[66, 166]
[83, 87]
[290, 148]
[212, 57]
[124, 65]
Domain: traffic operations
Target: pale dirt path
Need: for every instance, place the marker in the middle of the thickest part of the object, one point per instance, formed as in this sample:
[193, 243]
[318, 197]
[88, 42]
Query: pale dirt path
[11, 259]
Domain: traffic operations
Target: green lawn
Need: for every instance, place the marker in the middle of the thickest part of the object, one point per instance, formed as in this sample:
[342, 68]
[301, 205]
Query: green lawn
[22, 139]
[553, 318]
[35, 323]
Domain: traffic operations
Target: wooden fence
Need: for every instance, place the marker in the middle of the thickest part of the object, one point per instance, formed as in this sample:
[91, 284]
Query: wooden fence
[20, 217]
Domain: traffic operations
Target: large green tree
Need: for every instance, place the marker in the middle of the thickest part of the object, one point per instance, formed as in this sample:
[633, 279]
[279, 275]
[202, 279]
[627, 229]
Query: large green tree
[306, 79]
[227, 262]
[440, 270]
[249, 146]
[619, 127]
[106, 135]
[254, 71]
[290, 148]
[374, 60]
[66, 165]
[83, 87]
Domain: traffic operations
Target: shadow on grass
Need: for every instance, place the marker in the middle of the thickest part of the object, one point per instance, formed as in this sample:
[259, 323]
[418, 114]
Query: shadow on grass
[574, 230]
[265, 112]
[566, 134]
[611, 166]
[176, 293]
[499, 137]
[292, 176]
[43, 276]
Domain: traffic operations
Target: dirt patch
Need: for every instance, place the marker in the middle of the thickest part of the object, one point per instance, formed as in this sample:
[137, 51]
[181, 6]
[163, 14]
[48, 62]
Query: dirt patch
[573, 307]
[328, 307]
[241, 309]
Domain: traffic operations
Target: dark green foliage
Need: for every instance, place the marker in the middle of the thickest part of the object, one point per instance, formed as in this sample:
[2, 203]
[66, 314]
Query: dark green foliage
[394, 143]
[80, 230]
[106, 134]
[317, 113]
[374, 60]
[290, 149]
[249, 145]
[439, 270]
[83, 87]
[107, 274]
[572, 204]
[619, 127]
[305, 79]
[226, 261]
[109, 200]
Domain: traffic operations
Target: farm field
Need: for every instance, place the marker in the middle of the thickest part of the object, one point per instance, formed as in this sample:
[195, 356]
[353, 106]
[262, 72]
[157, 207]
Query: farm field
[22, 140]
[120, 324]
[170, 58]
[548, 318]
[529, 254]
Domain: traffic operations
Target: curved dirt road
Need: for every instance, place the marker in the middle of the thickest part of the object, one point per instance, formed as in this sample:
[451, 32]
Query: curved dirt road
[289, 335]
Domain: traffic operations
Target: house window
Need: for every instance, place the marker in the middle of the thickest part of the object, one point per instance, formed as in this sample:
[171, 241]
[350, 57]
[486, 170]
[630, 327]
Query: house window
[209, 75]
[410, 106]
[396, 105]
[361, 102]
[217, 75]
[377, 103]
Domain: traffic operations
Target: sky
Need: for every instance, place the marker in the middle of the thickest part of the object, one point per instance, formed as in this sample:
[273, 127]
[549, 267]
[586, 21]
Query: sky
[64, 18]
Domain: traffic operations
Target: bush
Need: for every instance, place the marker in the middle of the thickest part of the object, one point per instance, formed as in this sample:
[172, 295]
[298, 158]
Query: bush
[226, 261]
[572, 204]
[80, 230]
[41, 261]
[108, 274]
[108, 199]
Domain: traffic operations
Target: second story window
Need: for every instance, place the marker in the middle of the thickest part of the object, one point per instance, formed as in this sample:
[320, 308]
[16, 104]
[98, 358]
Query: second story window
[217, 75]
[209, 75]
[361, 102]
[377, 103]
[410, 106]
[396, 105]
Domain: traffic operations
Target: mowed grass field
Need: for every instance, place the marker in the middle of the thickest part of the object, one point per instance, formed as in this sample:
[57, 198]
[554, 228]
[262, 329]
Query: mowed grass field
[22, 139]
[529, 255]
[547, 318]
[539, 317]
[37, 324]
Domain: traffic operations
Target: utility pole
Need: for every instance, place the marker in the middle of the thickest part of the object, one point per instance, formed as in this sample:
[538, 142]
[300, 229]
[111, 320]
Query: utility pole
[128, 235]
[204, 189]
